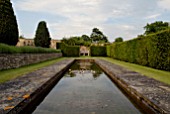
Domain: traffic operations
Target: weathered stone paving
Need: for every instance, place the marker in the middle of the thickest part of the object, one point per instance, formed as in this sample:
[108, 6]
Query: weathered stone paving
[15, 91]
[147, 88]
[155, 93]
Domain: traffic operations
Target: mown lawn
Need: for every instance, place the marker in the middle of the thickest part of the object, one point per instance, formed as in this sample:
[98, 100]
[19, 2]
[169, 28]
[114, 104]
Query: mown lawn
[7, 75]
[163, 76]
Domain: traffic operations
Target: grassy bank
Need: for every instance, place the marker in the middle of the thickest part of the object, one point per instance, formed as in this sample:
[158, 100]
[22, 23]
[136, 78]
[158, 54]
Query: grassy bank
[7, 75]
[163, 76]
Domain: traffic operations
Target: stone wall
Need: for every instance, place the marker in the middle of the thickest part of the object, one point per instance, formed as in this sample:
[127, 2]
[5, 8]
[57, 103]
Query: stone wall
[30, 42]
[10, 61]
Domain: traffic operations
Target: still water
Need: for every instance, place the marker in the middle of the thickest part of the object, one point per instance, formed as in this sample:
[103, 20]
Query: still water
[86, 89]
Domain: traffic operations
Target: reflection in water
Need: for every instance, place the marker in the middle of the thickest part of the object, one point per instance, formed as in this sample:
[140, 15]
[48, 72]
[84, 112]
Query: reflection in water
[84, 67]
[85, 89]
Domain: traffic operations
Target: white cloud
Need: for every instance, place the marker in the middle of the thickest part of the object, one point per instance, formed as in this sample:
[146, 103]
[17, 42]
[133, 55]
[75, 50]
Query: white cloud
[75, 10]
[82, 15]
[64, 7]
[129, 27]
[66, 29]
[125, 31]
[115, 17]
[122, 10]
[152, 16]
[164, 4]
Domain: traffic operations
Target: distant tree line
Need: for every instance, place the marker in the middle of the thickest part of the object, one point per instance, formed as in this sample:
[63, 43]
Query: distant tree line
[96, 37]
[156, 27]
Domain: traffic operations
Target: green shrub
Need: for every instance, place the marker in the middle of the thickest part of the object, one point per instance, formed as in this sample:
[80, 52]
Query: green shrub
[98, 50]
[152, 50]
[12, 49]
[70, 51]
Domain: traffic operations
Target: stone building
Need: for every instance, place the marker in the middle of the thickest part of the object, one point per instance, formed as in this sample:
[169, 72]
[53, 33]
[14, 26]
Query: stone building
[84, 51]
[30, 42]
[54, 43]
[25, 42]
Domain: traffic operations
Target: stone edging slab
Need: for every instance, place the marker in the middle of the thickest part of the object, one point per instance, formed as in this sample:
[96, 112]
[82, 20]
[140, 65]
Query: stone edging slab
[148, 93]
[18, 93]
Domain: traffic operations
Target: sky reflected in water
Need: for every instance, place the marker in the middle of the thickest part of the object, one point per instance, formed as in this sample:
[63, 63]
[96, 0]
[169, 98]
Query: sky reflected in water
[85, 89]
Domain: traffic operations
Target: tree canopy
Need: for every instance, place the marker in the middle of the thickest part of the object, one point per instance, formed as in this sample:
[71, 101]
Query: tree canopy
[42, 36]
[119, 39]
[98, 36]
[155, 27]
[86, 38]
[76, 40]
[8, 24]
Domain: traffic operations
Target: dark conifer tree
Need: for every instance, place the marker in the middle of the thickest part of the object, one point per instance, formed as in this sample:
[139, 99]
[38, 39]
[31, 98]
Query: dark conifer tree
[8, 24]
[42, 36]
[98, 36]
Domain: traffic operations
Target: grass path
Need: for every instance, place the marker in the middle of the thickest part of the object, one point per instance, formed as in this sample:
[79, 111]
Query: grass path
[163, 76]
[7, 75]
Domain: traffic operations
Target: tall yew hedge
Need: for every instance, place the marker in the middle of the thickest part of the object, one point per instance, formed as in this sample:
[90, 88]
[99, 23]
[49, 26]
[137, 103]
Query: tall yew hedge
[8, 24]
[98, 51]
[152, 50]
[69, 51]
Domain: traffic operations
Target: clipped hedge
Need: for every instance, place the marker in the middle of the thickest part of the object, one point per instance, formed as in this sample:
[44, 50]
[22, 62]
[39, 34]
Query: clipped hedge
[98, 50]
[69, 51]
[152, 50]
[6, 49]
[108, 50]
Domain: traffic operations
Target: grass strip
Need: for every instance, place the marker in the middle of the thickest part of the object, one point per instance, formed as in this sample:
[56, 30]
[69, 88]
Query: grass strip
[7, 75]
[160, 75]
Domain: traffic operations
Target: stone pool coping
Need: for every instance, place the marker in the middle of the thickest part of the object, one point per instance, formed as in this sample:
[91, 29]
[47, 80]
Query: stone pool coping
[146, 92]
[16, 94]
[21, 91]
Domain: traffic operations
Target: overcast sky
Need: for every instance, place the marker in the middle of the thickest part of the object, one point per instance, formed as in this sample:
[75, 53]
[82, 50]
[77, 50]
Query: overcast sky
[65, 18]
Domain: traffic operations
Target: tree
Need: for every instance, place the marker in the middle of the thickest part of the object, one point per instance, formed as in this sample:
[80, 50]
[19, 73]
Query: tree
[86, 38]
[155, 27]
[98, 36]
[76, 40]
[119, 39]
[21, 37]
[42, 37]
[8, 24]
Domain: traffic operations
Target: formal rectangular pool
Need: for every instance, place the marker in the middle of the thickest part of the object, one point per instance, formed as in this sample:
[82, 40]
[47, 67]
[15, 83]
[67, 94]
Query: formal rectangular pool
[86, 89]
